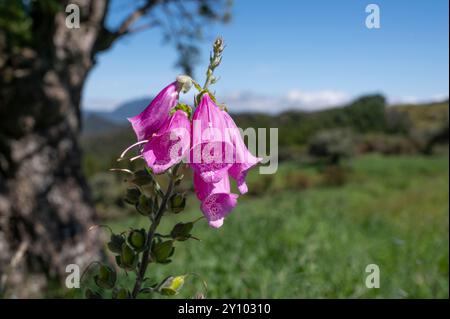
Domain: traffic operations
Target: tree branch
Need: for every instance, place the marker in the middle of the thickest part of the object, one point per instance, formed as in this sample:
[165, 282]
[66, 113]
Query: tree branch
[108, 37]
[136, 15]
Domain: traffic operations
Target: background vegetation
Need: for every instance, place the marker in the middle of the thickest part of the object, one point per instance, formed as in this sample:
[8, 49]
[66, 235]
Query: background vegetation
[357, 185]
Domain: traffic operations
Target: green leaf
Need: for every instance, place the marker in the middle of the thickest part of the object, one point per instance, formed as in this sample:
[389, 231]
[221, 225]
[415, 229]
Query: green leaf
[183, 107]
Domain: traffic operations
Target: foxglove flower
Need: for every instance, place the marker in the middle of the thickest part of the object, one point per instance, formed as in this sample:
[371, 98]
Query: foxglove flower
[243, 160]
[217, 200]
[156, 114]
[211, 154]
[170, 144]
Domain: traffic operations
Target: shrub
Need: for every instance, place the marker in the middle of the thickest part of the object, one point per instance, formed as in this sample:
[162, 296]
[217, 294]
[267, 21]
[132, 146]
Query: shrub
[332, 145]
[107, 195]
[388, 144]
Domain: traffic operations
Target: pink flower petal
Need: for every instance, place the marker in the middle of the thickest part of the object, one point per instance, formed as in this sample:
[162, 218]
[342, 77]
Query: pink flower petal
[211, 154]
[244, 160]
[169, 146]
[217, 206]
[217, 201]
[156, 114]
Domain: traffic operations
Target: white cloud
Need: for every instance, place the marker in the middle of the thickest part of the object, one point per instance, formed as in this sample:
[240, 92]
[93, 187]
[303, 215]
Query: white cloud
[410, 99]
[294, 99]
[439, 97]
[316, 100]
[100, 104]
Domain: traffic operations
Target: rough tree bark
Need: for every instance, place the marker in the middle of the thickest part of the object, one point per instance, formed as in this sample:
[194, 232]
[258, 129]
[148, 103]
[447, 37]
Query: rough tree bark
[45, 207]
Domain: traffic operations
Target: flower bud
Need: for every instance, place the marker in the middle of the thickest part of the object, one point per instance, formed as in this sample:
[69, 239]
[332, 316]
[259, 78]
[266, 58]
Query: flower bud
[142, 177]
[128, 258]
[144, 205]
[172, 285]
[115, 243]
[162, 251]
[106, 277]
[132, 195]
[181, 231]
[121, 293]
[184, 83]
[177, 203]
[90, 294]
[219, 45]
[137, 239]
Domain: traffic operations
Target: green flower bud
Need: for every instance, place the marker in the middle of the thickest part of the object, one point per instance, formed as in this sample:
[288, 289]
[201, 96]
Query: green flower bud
[121, 293]
[90, 294]
[177, 203]
[106, 277]
[172, 285]
[115, 243]
[162, 251]
[142, 177]
[181, 231]
[137, 239]
[119, 261]
[144, 205]
[132, 196]
[128, 257]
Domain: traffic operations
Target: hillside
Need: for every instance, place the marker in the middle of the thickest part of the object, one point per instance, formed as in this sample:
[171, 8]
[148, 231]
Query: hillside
[391, 129]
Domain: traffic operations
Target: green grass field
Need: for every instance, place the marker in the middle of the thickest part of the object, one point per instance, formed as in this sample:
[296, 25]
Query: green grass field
[316, 242]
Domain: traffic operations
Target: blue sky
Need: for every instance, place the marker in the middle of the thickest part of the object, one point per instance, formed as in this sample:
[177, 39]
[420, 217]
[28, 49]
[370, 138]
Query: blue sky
[291, 53]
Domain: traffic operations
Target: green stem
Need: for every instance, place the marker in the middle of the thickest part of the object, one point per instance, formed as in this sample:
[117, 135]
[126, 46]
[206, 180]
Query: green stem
[214, 62]
[208, 78]
[151, 234]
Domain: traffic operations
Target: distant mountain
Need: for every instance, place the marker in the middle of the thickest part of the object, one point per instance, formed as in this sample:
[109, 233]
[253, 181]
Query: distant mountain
[359, 114]
[119, 115]
[128, 109]
[95, 123]
[103, 121]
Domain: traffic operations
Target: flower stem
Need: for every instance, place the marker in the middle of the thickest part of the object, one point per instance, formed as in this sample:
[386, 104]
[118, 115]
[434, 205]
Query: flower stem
[214, 62]
[151, 234]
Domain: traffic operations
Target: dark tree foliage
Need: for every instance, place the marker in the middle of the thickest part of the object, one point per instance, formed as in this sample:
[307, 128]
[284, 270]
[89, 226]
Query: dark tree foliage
[45, 205]
[367, 114]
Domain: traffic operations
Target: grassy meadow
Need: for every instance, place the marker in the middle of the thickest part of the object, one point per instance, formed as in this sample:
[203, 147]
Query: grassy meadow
[304, 235]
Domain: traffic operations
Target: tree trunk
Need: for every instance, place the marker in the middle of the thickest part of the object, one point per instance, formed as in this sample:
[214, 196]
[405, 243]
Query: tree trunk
[45, 209]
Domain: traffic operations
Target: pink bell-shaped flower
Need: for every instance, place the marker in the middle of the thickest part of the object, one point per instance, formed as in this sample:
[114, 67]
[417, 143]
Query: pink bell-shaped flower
[243, 160]
[156, 114]
[167, 147]
[211, 154]
[217, 201]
